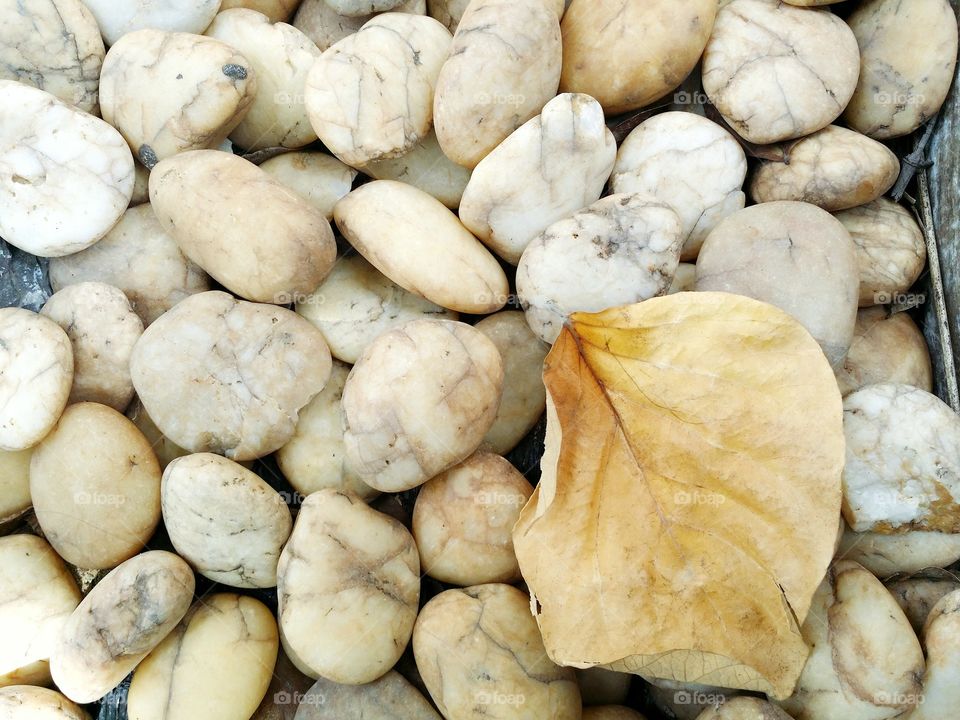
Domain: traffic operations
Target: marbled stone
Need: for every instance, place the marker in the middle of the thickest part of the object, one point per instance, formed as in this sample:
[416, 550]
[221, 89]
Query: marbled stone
[420, 399]
[504, 66]
[216, 664]
[25, 702]
[941, 689]
[123, 618]
[14, 486]
[744, 708]
[54, 45]
[276, 10]
[903, 461]
[689, 162]
[36, 372]
[395, 226]
[37, 595]
[386, 698]
[370, 95]
[906, 552]
[916, 596]
[319, 179]
[222, 375]
[908, 52]
[281, 56]
[776, 72]
[172, 92]
[216, 206]
[139, 258]
[119, 18]
[242, 523]
[552, 166]
[623, 249]
[354, 8]
[792, 255]
[325, 26]
[103, 328]
[351, 576]
[65, 176]
[95, 483]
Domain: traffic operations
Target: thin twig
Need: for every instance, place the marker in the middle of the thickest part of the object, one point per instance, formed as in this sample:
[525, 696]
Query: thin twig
[914, 161]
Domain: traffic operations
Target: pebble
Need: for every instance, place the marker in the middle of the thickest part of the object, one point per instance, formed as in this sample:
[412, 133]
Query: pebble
[116, 19]
[14, 486]
[25, 702]
[276, 10]
[319, 179]
[386, 698]
[325, 26]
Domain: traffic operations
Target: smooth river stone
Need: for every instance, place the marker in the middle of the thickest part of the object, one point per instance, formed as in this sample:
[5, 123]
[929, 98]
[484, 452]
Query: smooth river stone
[138, 258]
[125, 616]
[222, 375]
[447, 12]
[65, 176]
[356, 303]
[903, 461]
[420, 399]
[941, 630]
[907, 552]
[236, 539]
[37, 595]
[479, 652]
[351, 576]
[54, 45]
[150, 85]
[777, 72]
[908, 53]
[355, 8]
[95, 483]
[281, 56]
[370, 95]
[524, 395]
[386, 698]
[689, 162]
[276, 10]
[425, 167]
[14, 486]
[217, 206]
[119, 18]
[794, 256]
[320, 179]
[36, 372]
[103, 328]
[315, 457]
[552, 166]
[623, 249]
[833, 168]
[655, 45]
[891, 251]
[885, 349]
[325, 26]
[396, 226]
[25, 702]
[216, 664]
[504, 66]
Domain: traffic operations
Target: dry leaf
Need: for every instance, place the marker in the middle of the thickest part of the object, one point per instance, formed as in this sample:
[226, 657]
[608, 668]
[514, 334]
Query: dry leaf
[690, 492]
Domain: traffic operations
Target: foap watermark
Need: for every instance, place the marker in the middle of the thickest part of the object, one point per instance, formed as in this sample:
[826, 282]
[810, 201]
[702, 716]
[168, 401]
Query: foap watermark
[899, 298]
[298, 698]
[698, 497]
[289, 98]
[698, 697]
[499, 698]
[513, 99]
[500, 498]
[96, 498]
[685, 97]
[898, 99]
[898, 699]
[299, 298]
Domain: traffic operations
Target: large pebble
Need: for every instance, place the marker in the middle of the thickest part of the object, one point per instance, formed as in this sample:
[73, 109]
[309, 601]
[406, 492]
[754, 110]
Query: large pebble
[885, 349]
[222, 375]
[792, 255]
[216, 664]
[777, 72]
[103, 328]
[125, 616]
[216, 206]
[524, 395]
[504, 66]
[395, 226]
[420, 399]
[744, 708]
[386, 698]
[907, 552]
[833, 168]
[552, 166]
[119, 18]
[318, 178]
[26, 702]
[14, 486]
[941, 689]
[236, 538]
[356, 303]
[908, 52]
[325, 26]
[65, 176]
[281, 56]
[370, 95]
[36, 373]
[353, 8]
[54, 45]
[150, 84]
[689, 162]
[140, 259]
[891, 252]
[351, 576]
[37, 595]
[479, 652]
[903, 460]
[95, 483]
[628, 55]
[276, 10]
[916, 596]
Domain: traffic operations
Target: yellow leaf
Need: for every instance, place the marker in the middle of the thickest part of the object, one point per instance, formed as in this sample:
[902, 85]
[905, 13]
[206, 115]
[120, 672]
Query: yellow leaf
[690, 494]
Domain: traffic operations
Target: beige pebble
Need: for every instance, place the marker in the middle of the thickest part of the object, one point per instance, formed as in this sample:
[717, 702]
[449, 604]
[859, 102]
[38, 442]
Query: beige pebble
[918, 595]
[25, 702]
[319, 179]
[744, 708]
[117, 19]
[276, 10]
[386, 698]
[14, 486]
[325, 26]
[906, 552]
[941, 689]
[354, 8]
